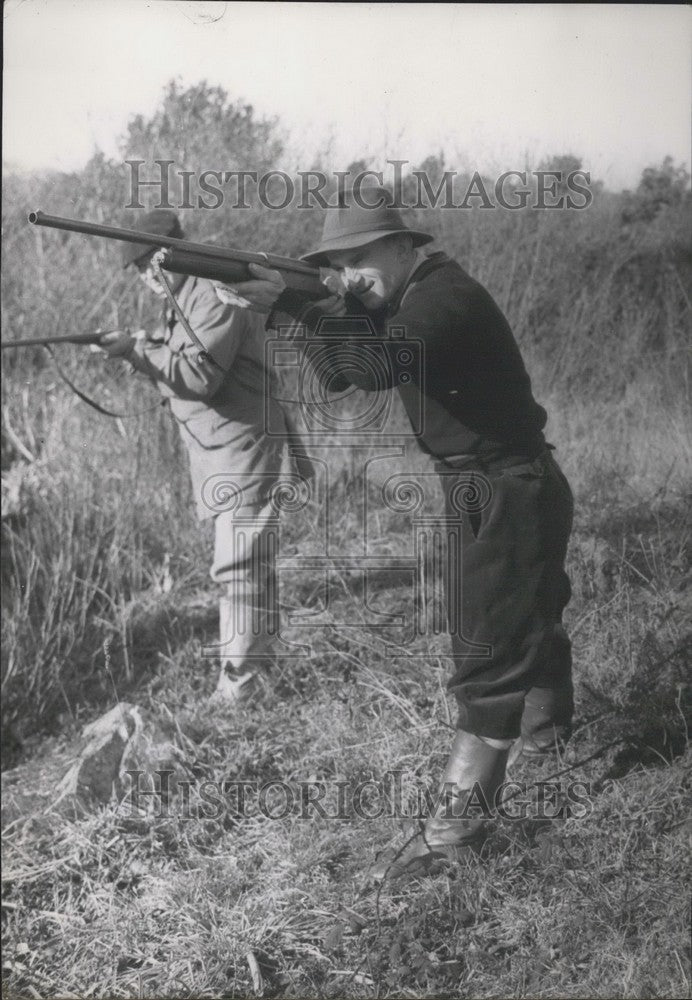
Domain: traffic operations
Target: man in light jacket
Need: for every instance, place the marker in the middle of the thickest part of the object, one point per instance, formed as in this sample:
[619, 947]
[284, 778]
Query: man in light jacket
[217, 396]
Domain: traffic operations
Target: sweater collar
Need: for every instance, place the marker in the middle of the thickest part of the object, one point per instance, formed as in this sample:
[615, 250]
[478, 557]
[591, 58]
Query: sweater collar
[425, 263]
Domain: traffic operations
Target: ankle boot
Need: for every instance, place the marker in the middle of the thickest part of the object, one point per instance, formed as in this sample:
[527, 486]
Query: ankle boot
[234, 687]
[475, 768]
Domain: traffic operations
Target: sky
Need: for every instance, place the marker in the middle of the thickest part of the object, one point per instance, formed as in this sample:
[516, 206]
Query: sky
[493, 86]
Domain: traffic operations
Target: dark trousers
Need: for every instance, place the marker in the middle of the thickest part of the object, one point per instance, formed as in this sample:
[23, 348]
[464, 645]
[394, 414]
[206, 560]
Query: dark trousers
[506, 597]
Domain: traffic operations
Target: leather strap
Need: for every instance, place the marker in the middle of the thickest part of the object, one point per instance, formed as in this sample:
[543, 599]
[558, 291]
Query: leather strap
[92, 402]
[203, 355]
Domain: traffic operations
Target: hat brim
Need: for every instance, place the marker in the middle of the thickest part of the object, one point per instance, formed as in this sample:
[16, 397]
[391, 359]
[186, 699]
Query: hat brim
[132, 253]
[320, 256]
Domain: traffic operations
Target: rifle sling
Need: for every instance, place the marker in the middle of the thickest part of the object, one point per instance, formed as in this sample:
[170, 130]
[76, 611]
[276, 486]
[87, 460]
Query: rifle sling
[203, 355]
[92, 402]
[38, 218]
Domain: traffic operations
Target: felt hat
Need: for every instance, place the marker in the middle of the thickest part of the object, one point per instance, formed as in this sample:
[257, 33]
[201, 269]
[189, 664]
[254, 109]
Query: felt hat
[160, 222]
[353, 223]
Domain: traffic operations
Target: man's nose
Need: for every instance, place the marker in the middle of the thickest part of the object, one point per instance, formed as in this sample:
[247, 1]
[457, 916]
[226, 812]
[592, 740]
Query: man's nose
[353, 278]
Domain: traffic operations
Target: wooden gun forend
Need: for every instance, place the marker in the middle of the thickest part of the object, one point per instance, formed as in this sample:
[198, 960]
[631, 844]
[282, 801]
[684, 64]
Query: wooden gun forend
[230, 271]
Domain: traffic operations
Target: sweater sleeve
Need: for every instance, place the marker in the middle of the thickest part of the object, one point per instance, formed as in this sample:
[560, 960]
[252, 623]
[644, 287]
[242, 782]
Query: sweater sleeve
[373, 352]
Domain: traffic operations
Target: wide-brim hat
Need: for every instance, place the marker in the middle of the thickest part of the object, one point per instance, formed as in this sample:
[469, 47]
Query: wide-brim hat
[352, 223]
[159, 222]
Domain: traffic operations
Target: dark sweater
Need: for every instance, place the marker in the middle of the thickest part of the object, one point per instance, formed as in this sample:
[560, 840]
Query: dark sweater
[470, 394]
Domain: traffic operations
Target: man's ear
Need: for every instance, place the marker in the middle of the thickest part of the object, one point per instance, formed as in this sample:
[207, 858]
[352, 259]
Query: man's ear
[404, 245]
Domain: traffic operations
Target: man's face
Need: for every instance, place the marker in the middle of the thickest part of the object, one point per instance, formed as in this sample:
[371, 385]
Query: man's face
[375, 272]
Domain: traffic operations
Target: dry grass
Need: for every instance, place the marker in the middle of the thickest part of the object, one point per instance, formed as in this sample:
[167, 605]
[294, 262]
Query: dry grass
[130, 904]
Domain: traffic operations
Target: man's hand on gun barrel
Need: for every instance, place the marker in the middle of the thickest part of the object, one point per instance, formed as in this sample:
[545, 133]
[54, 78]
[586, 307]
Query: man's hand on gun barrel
[118, 343]
[261, 293]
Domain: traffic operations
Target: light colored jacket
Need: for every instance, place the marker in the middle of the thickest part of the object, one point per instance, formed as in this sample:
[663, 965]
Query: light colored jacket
[228, 420]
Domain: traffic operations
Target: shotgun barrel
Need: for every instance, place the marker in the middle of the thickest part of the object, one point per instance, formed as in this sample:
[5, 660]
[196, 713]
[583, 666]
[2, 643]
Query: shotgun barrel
[67, 338]
[204, 253]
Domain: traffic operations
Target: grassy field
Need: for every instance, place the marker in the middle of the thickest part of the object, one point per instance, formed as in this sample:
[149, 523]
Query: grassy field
[106, 597]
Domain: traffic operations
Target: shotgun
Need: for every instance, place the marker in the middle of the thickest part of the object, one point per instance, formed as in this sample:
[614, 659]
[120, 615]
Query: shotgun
[203, 260]
[67, 338]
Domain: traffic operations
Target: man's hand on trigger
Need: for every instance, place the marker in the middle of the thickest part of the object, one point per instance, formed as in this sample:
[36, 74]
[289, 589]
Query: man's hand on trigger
[258, 294]
[117, 343]
[334, 305]
[334, 282]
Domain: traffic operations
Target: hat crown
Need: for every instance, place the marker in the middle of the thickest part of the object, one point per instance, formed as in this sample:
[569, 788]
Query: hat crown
[361, 215]
[159, 222]
[368, 209]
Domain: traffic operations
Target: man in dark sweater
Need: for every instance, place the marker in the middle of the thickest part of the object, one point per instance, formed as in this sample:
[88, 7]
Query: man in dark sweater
[476, 416]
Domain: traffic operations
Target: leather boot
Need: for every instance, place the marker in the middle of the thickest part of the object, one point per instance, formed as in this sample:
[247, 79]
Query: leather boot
[474, 772]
